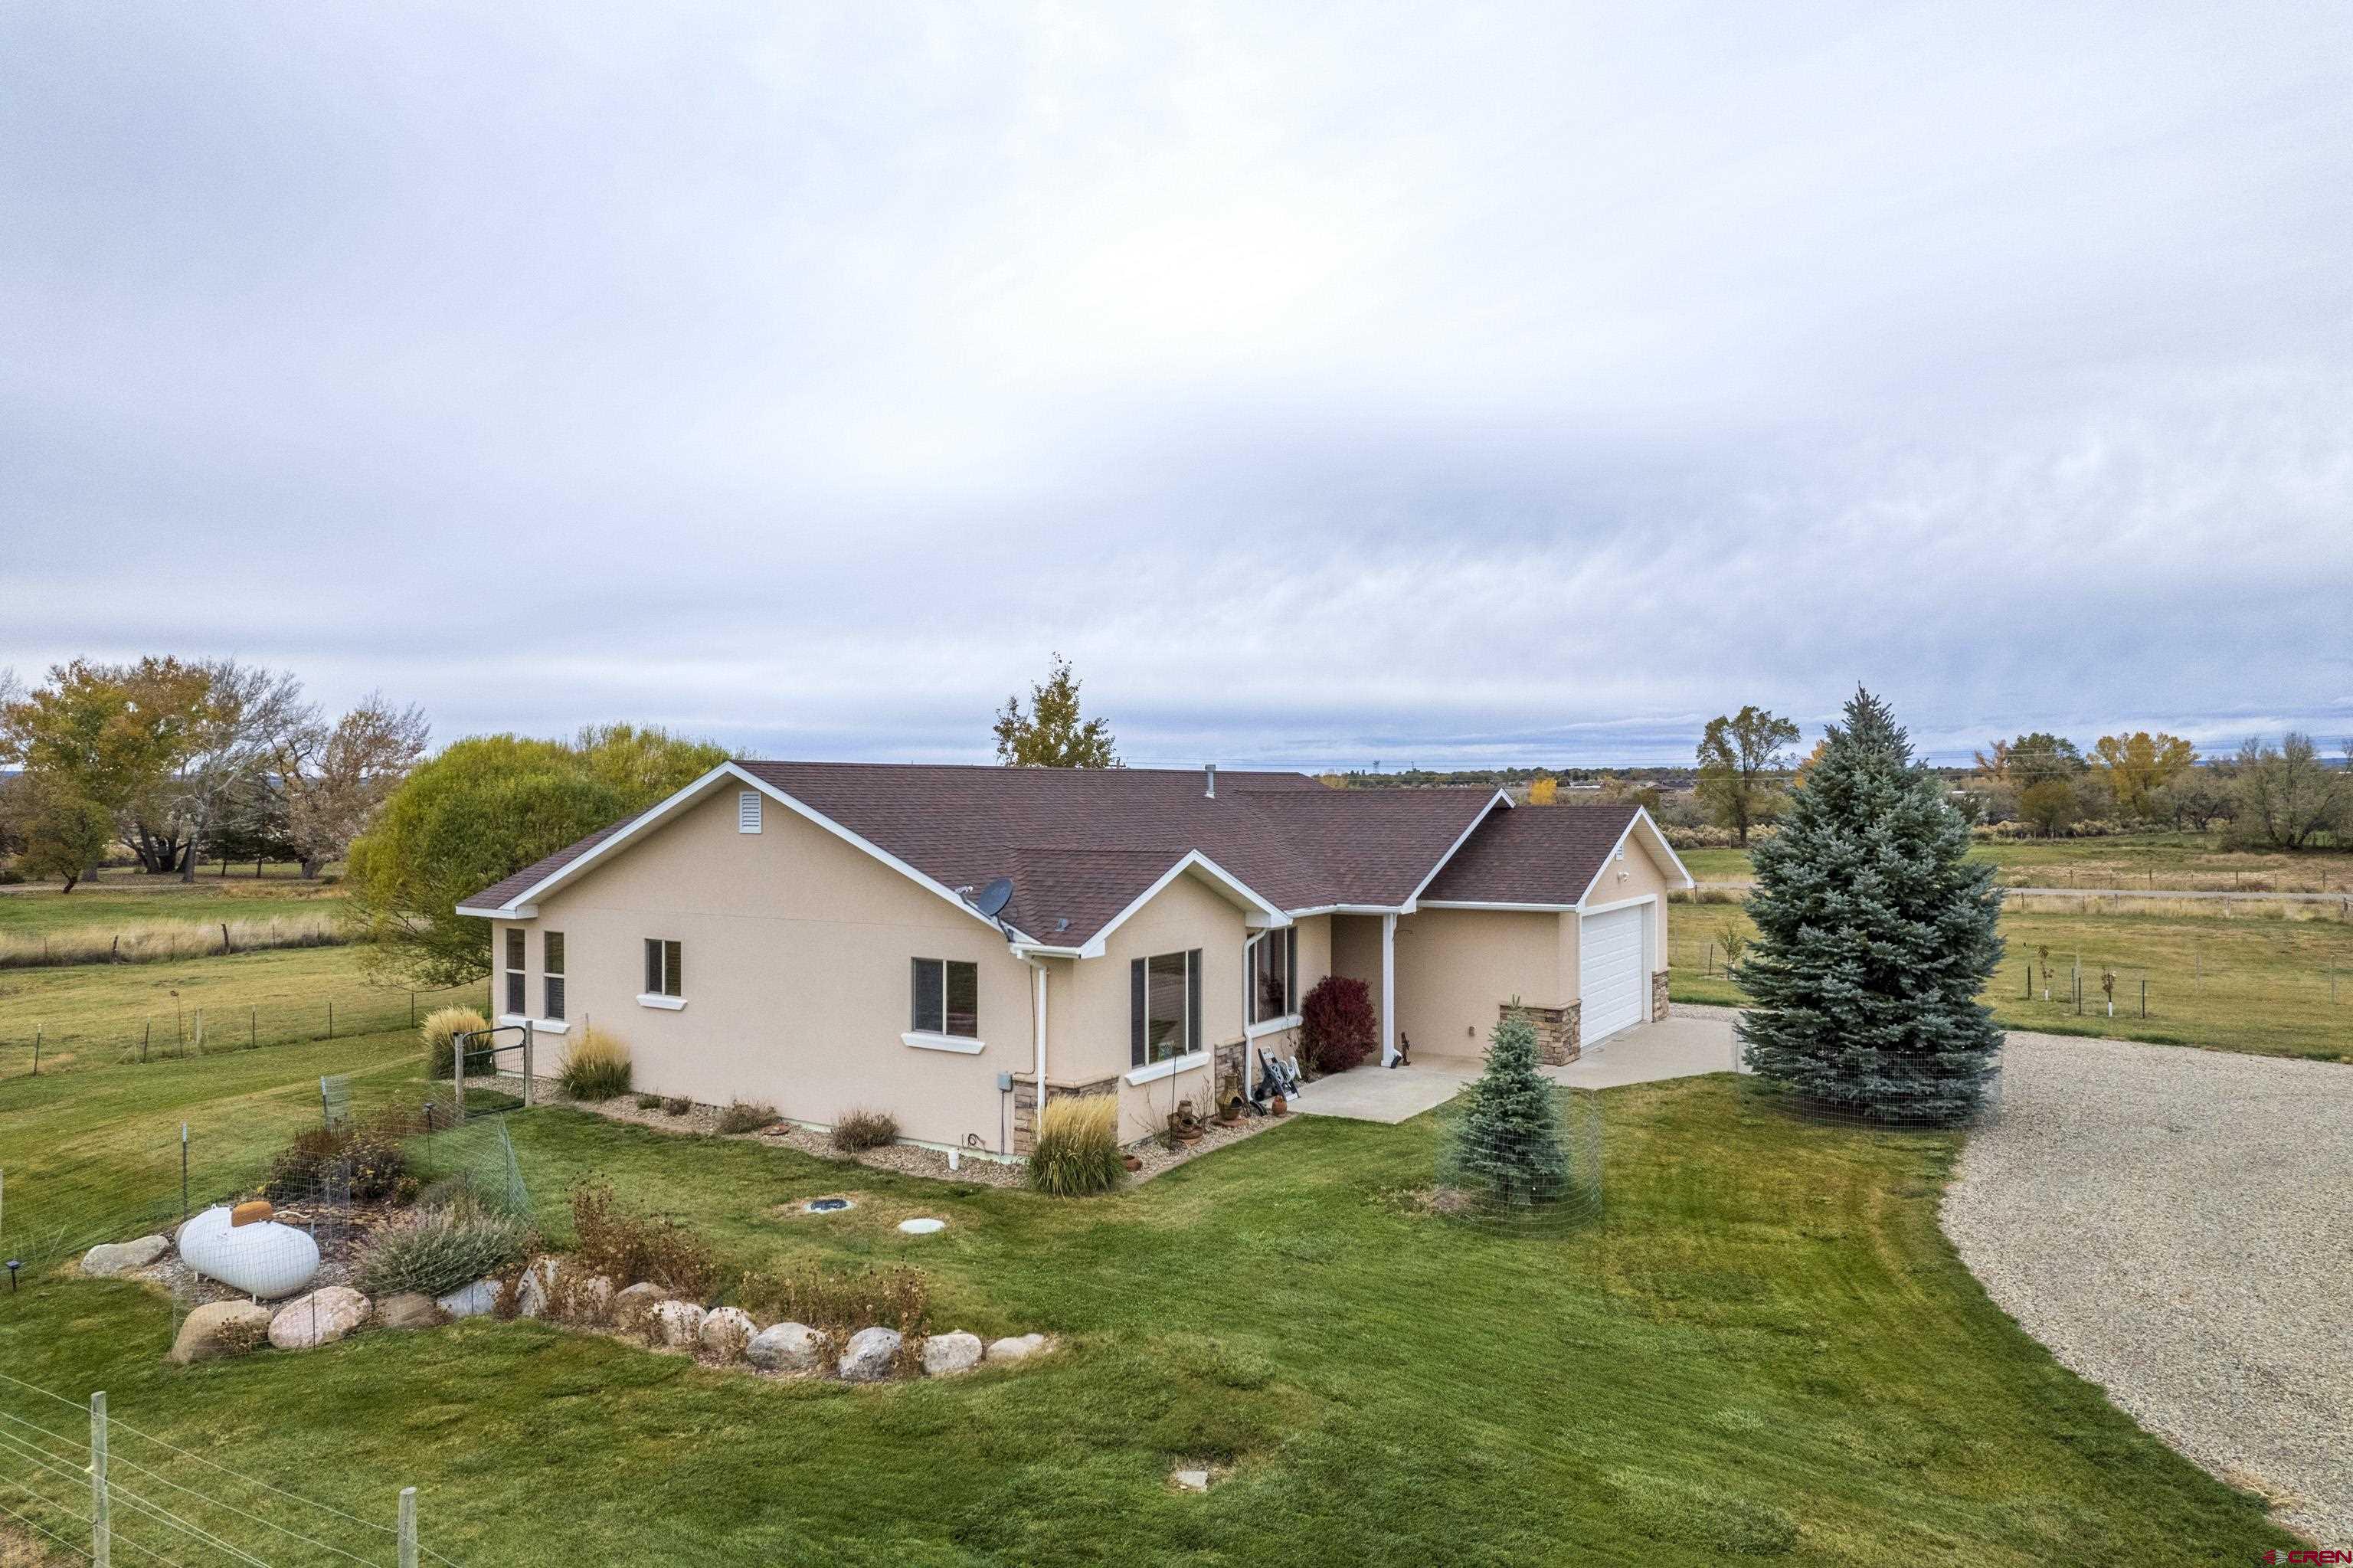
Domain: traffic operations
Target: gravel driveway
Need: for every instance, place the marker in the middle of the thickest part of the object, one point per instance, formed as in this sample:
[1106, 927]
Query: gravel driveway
[2177, 1225]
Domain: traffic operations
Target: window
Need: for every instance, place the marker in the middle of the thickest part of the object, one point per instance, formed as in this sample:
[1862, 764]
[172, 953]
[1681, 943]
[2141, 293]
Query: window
[1164, 1007]
[662, 968]
[747, 811]
[514, 969]
[1274, 975]
[551, 969]
[947, 997]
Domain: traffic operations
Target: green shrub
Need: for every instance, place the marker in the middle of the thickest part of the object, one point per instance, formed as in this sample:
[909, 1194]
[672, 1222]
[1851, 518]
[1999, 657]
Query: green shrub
[650, 1102]
[597, 1068]
[627, 1247]
[435, 1251]
[438, 1032]
[747, 1117]
[1077, 1151]
[861, 1130]
[678, 1104]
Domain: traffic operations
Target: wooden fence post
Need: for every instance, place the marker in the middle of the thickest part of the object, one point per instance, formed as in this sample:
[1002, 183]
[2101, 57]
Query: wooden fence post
[408, 1527]
[526, 1063]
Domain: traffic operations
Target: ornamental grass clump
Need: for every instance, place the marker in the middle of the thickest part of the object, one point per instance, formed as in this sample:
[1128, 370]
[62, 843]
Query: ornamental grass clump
[597, 1069]
[435, 1251]
[1077, 1152]
[439, 1032]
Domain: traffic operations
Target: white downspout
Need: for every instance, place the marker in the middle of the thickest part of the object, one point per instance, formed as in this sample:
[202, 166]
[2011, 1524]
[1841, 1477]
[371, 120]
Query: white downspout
[1388, 991]
[1039, 1019]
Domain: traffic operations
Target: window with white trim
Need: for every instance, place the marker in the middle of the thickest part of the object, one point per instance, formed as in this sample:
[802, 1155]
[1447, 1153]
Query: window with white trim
[1163, 1007]
[663, 964]
[551, 971]
[514, 969]
[947, 997]
[1274, 975]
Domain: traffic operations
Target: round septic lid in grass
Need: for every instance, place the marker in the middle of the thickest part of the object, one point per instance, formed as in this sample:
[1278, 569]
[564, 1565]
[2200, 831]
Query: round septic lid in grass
[827, 1205]
[922, 1227]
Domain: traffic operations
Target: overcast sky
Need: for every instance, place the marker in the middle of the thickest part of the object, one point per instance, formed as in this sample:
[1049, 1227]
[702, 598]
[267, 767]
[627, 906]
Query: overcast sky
[1440, 384]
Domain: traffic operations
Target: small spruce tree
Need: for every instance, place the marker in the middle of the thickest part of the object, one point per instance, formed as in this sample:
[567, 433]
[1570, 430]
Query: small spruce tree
[1874, 935]
[1507, 1144]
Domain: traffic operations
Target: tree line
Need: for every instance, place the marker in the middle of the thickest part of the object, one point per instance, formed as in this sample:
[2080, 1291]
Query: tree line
[2286, 795]
[179, 761]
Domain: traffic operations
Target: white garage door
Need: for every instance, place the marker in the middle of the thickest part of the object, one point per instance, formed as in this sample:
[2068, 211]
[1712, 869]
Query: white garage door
[1609, 971]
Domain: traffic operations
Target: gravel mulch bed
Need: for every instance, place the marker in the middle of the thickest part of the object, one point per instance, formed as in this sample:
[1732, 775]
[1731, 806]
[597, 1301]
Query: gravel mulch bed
[2174, 1225]
[905, 1158]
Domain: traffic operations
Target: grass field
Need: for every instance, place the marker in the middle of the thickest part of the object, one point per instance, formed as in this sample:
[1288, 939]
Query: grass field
[1766, 1349]
[2178, 862]
[2261, 986]
[96, 1011]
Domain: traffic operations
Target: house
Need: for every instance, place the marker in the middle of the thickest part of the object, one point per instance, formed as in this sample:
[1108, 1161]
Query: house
[820, 936]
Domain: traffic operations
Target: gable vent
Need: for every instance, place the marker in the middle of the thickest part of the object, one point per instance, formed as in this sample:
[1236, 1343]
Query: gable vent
[747, 811]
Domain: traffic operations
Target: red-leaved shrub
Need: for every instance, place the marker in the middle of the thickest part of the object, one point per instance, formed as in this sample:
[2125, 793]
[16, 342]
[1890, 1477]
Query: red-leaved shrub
[1336, 1024]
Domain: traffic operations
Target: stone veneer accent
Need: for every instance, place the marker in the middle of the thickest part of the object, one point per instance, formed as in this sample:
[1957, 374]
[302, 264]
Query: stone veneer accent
[1659, 1008]
[1025, 1104]
[1225, 1064]
[1556, 1030]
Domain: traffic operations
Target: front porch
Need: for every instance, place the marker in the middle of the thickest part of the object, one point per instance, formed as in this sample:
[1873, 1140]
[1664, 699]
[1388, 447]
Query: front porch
[1680, 1046]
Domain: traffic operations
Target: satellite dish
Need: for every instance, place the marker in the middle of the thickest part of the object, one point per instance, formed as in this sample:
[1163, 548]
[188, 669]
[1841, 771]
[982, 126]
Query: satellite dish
[995, 898]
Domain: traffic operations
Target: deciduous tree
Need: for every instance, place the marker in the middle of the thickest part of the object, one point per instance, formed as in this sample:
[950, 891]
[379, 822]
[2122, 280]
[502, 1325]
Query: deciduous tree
[331, 780]
[1739, 755]
[65, 835]
[2287, 794]
[2138, 766]
[1543, 792]
[1053, 733]
[482, 810]
[1874, 934]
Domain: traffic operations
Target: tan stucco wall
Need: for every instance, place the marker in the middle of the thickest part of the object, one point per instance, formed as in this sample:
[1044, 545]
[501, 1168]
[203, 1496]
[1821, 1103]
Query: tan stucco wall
[797, 969]
[1638, 875]
[1455, 967]
[1087, 1020]
[1357, 953]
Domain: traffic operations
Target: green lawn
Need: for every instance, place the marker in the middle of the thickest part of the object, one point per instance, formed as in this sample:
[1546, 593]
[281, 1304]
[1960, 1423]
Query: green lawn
[2230, 984]
[2180, 862]
[98, 1013]
[121, 903]
[1767, 1348]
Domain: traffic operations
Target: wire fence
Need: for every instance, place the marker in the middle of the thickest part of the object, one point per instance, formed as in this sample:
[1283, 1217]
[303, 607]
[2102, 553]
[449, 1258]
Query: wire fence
[1527, 1179]
[202, 1026]
[165, 941]
[86, 1484]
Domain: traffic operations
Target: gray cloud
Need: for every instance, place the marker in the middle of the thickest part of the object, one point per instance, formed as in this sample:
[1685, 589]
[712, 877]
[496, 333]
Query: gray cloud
[1391, 383]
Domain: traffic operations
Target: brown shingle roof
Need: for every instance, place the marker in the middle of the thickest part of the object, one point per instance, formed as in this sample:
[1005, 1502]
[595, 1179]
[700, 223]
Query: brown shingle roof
[1537, 854]
[1079, 845]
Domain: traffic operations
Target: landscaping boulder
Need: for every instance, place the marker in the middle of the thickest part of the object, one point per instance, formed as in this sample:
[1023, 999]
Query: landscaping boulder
[1018, 1348]
[589, 1297]
[869, 1354]
[479, 1299]
[643, 1296]
[318, 1319]
[787, 1346]
[109, 1259]
[536, 1295]
[726, 1333]
[221, 1328]
[409, 1310]
[678, 1324]
[944, 1355]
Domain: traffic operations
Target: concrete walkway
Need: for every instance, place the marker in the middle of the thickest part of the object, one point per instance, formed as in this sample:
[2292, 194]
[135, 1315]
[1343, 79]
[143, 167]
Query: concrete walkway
[1695, 1039]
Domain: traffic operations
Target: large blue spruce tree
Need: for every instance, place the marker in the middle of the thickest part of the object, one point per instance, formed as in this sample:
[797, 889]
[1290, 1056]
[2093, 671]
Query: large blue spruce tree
[1876, 932]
